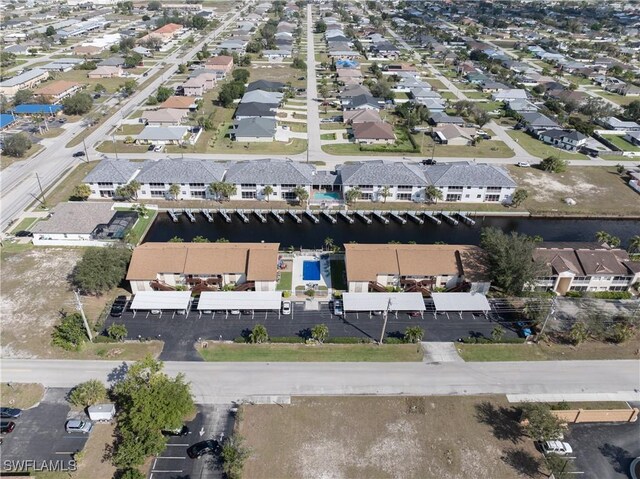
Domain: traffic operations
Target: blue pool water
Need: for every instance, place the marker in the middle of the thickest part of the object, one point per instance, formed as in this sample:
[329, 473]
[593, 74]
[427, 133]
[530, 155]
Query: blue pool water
[326, 195]
[311, 270]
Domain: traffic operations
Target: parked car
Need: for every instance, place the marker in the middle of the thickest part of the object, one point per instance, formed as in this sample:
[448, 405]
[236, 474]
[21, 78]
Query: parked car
[203, 447]
[414, 314]
[23, 234]
[151, 148]
[234, 311]
[158, 148]
[7, 426]
[337, 307]
[483, 134]
[286, 307]
[523, 329]
[429, 162]
[10, 413]
[118, 306]
[376, 313]
[76, 425]
[524, 164]
[78, 154]
[556, 447]
[181, 431]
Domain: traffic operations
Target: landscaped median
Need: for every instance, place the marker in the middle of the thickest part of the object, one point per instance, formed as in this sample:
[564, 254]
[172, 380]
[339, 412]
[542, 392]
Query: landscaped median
[232, 352]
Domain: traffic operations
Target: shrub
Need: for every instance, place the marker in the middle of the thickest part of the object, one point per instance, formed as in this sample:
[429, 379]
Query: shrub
[129, 473]
[561, 406]
[612, 295]
[574, 294]
[284, 339]
[88, 393]
[70, 333]
[344, 340]
[103, 339]
[117, 332]
[393, 341]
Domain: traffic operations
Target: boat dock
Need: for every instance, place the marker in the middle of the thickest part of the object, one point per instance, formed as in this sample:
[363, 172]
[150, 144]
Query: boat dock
[207, 214]
[189, 214]
[173, 215]
[398, 216]
[225, 215]
[242, 216]
[381, 217]
[364, 217]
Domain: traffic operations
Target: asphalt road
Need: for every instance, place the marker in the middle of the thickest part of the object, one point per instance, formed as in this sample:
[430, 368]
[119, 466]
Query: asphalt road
[180, 341]
[222, 383]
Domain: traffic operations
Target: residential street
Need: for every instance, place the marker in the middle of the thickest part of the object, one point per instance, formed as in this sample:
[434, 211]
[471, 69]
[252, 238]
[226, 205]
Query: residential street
[218, 383]
[313, 117]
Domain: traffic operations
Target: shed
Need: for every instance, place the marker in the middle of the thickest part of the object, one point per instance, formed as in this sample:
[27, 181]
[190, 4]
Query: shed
[102, 412]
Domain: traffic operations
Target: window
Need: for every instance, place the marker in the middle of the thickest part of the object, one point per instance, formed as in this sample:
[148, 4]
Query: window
[247, 195]
[492, 198]
[404, 196]
[196, 185]
[108, 185]
[467, 196]
[618, 288]
[581, 279]
[157, 194]
[405, 188]
[288, 186]
[478, 196]
[366, 196]
[156, 185]
[197, 194]
[494, 189]
[288, 195]
[248, 185]
[453, 197]
[620, 279]
[106, 193]
[455, 189]
[578, 288]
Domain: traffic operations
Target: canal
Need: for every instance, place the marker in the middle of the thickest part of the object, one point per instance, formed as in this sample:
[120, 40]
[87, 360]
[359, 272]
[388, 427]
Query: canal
[309, 235]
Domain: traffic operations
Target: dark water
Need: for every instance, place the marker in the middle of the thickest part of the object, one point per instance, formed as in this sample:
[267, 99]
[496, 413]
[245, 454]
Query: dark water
[310, 235]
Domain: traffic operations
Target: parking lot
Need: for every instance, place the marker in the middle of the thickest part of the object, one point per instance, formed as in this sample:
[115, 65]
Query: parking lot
[174, 463]
[40, 436]
[604, 450]
[180, 332]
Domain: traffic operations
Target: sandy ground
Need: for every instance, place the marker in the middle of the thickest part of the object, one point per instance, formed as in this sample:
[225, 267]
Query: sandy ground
[385, 437]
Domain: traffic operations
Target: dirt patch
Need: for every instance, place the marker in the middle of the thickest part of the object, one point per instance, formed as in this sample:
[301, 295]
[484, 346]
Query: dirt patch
[92, 462]
[384, 437]
[22, 396]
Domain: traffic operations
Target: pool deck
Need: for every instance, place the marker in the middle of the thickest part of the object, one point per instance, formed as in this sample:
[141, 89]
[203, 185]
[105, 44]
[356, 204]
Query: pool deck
[297, 271]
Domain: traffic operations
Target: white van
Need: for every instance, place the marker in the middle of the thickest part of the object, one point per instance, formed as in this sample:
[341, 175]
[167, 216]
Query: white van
[556, 447]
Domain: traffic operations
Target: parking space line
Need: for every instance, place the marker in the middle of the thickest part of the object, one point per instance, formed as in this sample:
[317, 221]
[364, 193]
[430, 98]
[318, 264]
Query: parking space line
[171, 457]
[64, 452]
[177, 445]
[168, 470]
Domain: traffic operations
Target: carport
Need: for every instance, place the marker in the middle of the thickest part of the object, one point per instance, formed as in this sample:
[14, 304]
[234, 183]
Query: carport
[253, 301]
[392, 302]
[152, 301]
[460, 302]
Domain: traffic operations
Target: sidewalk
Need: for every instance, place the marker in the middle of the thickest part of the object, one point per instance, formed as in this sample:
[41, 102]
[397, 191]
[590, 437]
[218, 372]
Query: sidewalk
[440, 353]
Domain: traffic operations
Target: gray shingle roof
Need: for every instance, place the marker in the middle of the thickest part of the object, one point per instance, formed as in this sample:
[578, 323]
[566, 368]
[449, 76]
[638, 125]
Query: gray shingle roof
[75, 217]
[255, 127]
[266, 85]
[468, 174]
[181, 171]
[271, 172]
[255, 109]
[262, 96]
[113, 171]
[382, 172]
[536, 119]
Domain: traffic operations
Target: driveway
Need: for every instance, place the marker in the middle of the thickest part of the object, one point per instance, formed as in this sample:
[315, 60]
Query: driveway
[604, 450]
[180, 341]
[39, 437]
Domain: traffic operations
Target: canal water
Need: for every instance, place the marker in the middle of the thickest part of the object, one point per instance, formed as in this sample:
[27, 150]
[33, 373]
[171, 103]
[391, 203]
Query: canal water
[309, 235]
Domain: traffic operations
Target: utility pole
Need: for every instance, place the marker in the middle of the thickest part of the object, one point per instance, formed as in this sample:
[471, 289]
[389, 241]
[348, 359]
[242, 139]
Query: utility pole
[84, 318]
[115, 146]
[86, 153]
[384, 324]
[551, 312]
[42, 201]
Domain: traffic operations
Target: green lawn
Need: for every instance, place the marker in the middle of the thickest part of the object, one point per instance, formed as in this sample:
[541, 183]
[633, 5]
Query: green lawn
[614, 97]
[621, 143]
[338, 275]
[25, 224]
[130, 129]
[328, 136]
[141, 226]
[489, 105]
[436, 84]
[541, 150]
[121, 147]
[477, 95]
[285, 281]
[447, 95]
[312, 353]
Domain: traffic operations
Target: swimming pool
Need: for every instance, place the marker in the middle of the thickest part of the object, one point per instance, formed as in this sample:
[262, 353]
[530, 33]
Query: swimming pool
[326, 196]
[311, 270]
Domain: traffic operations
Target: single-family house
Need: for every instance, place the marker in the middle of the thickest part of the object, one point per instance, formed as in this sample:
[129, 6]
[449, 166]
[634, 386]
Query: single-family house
[188, 103]
[106, 72]
[371, 132]
[535, 122]
[163, 117]
[510, 95]
[633, 137]
[360, 116]
[223, 64]
[440, 119]
[266, 85]
[163, 135]
[58, 90]
[254, 129]
[613, 123]
[261, 96]
[453, 135]
[255, 110]
[570, 140]
[361, 102]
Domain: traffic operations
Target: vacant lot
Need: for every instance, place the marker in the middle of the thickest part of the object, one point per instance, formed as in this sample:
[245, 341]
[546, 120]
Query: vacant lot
[597, 191]
[392, 437]
[22, 396]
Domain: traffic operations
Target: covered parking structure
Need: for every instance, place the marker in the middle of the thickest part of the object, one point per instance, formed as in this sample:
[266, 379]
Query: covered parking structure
[211, 301]
[460, 302]
[156, 302]
[391, 302]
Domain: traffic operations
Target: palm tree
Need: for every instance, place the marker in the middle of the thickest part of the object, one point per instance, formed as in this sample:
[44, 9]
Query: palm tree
[385, 192]
[602, 236]
[222, 190]
[413, 334]
[258, 334]
[519, 196]
[267, 191]
[634, 244]
[301, 193]
[352, 195]
[433, 193]
[320, 332]
[133, 187]
[174, 191]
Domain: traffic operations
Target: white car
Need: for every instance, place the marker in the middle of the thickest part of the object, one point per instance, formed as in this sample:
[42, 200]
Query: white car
[286, 307]
[556, 447]
[234, 311]
[524, 164]
[158, 148]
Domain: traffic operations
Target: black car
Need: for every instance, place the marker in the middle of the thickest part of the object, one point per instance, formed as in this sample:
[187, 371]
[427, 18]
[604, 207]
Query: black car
[429, 162]
[202, 448]
[23, 234]
[10, 412]
[7, 426]
[78, 154]
[118, 306]
[181, 431]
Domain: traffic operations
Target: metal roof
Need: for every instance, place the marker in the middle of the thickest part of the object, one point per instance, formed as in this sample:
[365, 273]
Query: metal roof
[252, 300]
[460, 302]
[148, 300]
[23, 77]
[37, 109]
[382, 301]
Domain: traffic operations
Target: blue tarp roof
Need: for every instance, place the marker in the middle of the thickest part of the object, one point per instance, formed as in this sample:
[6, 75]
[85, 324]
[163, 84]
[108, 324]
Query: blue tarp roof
[5, 120]
[37, 109]
[347, 64]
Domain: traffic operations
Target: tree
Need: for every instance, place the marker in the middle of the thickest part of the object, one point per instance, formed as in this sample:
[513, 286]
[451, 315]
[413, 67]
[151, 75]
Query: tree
[78, 104]
[352, 195]
[509, 258]
[234, 454]
[101, 269]
[99, 88]
[222, 190]
[299, 63]
[70, 333]
[632, 111]
[519, 197]
[174, 191]
[81, 192]
[553, 164]
[198, 22]
[22, 96]
[258, 334]
[413, 334]
[605, 238]
[481, 117]
[578, 333]
[154, 5]
[541, 425]
[7, 59]
[328, 243]
[148, 401]
[301, 194]
[497, 334]
[320, 332]
[117, 332]
[130, 473]
[88, 393]
[634, 244]
[16, 145]
[320, 26]
[433, 193]
[163, 93]
[50, 31]
[384, 192]
[267, 191]
[182, 68]
[128, 87]
[241, 75]
[620, 169]
[132, 60]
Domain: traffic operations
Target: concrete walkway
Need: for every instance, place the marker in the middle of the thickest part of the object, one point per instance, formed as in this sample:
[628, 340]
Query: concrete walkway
[440, 353]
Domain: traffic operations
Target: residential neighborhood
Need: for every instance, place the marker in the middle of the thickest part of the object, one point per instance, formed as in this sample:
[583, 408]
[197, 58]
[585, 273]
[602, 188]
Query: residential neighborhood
[316, 238]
